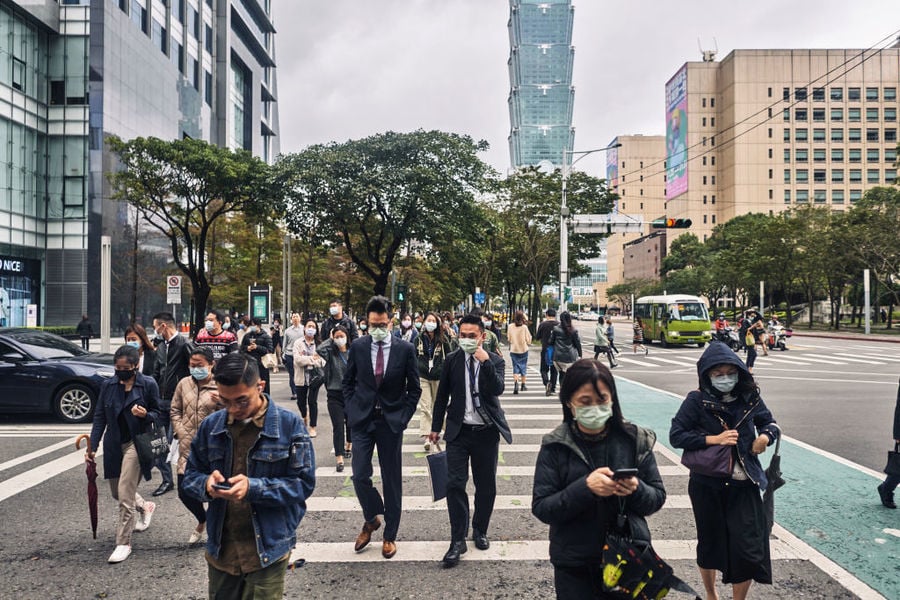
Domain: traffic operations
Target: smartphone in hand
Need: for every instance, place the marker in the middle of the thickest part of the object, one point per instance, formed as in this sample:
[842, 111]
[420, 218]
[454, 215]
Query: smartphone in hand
[624, 473]
[223, 486]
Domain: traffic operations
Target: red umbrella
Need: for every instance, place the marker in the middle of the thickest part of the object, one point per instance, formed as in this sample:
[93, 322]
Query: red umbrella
[90, 469]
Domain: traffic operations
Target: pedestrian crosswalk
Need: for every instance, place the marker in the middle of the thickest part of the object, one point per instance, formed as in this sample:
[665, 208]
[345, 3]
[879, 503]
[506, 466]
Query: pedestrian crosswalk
[797, 356]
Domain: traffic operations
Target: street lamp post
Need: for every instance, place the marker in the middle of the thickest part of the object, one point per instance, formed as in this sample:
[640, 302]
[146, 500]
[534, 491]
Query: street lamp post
[564, 214]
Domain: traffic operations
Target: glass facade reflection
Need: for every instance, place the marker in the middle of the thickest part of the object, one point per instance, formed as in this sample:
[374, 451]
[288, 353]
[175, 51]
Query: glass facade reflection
[541, 95]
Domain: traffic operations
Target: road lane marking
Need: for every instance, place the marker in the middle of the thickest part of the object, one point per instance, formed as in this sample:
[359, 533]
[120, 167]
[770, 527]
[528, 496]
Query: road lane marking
[351, 504]
[829, 358]
[500, 550]
[502, 471]
[36, 454]
[35, 435]
[38, 475]
[819, 379]
[679, 363]
[887, 358]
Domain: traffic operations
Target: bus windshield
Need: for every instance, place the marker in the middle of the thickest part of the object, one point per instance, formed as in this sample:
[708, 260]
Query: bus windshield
[688, 311]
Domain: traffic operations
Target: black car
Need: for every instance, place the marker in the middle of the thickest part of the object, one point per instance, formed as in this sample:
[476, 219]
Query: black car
[41, 372]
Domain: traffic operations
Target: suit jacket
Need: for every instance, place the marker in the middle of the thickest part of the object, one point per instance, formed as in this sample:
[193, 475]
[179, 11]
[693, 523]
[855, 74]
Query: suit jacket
[452, 389]
[399, 391]
[171, 366]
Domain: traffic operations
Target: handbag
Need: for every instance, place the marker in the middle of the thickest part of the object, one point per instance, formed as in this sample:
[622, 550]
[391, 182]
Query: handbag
[269, 361]
[438, 472]
[712, 461]
[893, 462]
[316, 377]
[749, 339]
[632, 569]
[152, 444]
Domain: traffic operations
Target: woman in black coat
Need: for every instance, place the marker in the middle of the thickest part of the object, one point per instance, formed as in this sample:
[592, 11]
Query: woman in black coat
[126, 402]
[257, 343]
[575, 491]
[886, 489]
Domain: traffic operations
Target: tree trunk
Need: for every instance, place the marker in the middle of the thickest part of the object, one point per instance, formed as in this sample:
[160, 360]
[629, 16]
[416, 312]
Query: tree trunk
[381, 282]
[200, 299]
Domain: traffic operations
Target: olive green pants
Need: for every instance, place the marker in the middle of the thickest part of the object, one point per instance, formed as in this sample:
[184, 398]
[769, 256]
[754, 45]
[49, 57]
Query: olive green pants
[266, 584]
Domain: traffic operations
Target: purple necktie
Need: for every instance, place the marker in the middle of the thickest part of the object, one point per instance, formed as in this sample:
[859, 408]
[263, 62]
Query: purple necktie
[379, 364]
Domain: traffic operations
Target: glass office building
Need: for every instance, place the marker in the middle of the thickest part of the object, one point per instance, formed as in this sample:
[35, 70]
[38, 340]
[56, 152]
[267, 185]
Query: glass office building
[73, 72]
[541, 95]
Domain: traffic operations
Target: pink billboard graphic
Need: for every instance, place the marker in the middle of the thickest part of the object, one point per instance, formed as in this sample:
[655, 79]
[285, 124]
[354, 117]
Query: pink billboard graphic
[676, 135]
[612, 171]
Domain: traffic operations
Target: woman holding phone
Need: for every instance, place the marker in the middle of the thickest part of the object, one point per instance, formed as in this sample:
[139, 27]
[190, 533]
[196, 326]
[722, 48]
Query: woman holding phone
[589, 468]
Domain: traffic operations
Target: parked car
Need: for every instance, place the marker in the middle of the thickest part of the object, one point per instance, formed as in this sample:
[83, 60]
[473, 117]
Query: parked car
[42, 372]
[588, 316]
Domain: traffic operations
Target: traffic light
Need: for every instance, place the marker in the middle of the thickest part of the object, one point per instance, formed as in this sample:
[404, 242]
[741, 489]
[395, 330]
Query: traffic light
[401, 293]
[670, 223]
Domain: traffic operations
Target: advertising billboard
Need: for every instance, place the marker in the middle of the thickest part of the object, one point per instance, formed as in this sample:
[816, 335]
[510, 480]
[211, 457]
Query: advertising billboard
[676, 135]
[612, 170]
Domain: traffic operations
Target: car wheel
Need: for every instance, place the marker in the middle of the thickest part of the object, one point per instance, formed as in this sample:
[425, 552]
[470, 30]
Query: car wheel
[74, 403]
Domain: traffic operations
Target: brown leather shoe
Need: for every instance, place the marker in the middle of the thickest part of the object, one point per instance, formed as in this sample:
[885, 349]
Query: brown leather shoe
[388, 549]
[362, 540]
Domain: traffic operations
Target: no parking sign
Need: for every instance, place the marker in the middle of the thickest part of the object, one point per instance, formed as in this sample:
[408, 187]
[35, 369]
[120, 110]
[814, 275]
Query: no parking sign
[173, 289]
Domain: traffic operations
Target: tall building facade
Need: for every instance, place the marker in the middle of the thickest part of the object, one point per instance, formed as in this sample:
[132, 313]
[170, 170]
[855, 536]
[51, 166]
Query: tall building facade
[767, 130]
[541, 96]
[73, 72]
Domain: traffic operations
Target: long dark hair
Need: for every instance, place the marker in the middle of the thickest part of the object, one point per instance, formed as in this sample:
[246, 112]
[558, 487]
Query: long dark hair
[565, 322]
[139, 331]
[590, 371]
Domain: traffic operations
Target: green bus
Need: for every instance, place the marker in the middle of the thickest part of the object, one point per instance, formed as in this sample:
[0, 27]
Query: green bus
[674, 319]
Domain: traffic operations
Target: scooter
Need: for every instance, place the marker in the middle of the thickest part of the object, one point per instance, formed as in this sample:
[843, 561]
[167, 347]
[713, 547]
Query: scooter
[730, 336]
[778, 336]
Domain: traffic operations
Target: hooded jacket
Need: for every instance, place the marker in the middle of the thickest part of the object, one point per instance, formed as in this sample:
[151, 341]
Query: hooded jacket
[701, 410]
[578, 519]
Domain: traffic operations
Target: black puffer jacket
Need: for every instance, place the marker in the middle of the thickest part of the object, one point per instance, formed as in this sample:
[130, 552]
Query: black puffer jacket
[578, 519]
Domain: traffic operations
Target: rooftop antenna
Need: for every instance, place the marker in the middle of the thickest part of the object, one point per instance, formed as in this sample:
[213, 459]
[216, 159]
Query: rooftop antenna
[708, 55]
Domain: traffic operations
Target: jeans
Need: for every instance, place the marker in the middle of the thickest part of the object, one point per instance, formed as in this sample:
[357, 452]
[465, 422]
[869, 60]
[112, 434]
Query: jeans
[289, 366]
[548, 371]
[192, 504]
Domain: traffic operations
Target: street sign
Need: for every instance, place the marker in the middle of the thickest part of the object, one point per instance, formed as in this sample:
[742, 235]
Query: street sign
[479, 297]
[173, 289]
[260, 297]
[607, 223]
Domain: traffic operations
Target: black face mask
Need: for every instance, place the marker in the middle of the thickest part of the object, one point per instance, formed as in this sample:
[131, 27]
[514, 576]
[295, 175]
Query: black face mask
[124, 375]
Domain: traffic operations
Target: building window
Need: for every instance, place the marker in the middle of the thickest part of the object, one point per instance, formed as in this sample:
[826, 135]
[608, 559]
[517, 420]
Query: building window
[787, 156]
[890, 155]
[194, 72]
[837, 176]
[872, 135]
[802, 196]
[837, 196]
[873, 176]
[873, 155]
[799, 114]
[787, 196]
[704, 219]
[704, 198]
[890, 176]
[703, 104]
[837, 93]
[890, 94]
[713, 180]
[787, 175]
[855, 195]
[819, 155]
[771, 194]
[770, 174]
[712, 102]
[837, 155]
[890, 135]
[802, 175]
[786, 115]
[820, 196]
[712, 141]
[871, 94]
[18, 74]
[855, 155]
[159, 36]
[818, 114]
[853, 115]
[714, 219]
[770, 132]
[712, 121]
[177, 56]
[800, 94]
[208, 38]
[208, 87]
[239, 103]
[139, 15]
[801, 155]
[801, 135]
[818, 135]
[837, 134]
[770, 92]
[193, 23]
[819, 176]
[704, 161]
[703, 122]
[818, 94]
[712, 199]
[712, 160]
[786, 94]
[853, 94]
[855, 176]
[770, 153]
[837, 114]
[704, 180]
[871, 114]
[854, 134]
[890, 114]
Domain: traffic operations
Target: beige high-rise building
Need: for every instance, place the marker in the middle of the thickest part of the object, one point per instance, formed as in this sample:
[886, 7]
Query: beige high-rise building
[766, 130]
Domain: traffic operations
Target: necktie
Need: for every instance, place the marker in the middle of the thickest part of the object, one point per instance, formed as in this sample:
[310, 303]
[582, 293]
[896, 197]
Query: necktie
[379, 364]
[473, 389]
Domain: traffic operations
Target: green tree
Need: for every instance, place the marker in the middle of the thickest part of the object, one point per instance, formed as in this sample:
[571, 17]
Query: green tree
[875, 221]
[182, 188]
[379, 193]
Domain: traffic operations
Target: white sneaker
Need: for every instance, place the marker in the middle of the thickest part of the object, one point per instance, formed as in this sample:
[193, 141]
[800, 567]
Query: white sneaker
[144, 517]
[196, 536]
[119, 554]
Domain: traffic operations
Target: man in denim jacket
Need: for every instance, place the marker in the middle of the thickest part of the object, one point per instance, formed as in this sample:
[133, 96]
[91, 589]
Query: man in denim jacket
[253, 462]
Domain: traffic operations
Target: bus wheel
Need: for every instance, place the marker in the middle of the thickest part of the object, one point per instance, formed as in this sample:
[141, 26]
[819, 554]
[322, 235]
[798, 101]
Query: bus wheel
[701, 344]
[662, 339]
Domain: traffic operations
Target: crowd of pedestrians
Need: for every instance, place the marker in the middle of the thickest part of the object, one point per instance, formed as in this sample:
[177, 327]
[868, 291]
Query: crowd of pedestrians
[245, 466]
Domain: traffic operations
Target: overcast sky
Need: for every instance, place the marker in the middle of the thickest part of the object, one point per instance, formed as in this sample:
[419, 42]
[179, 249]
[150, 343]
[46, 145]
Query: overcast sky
[352, 68]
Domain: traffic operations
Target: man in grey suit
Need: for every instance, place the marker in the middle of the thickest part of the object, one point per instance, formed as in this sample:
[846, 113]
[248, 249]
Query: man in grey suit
[381, 391]
[471, 381]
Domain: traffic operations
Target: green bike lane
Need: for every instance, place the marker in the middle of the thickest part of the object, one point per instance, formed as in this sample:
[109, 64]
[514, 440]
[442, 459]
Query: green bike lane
[828, 503]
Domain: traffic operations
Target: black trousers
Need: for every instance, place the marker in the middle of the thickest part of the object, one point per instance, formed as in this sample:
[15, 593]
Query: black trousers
[607, 350]
[308, 403]
[192, 504]
[165, 469]
[548, 371]
[577, 582]
[390, 446]
[481, 447]
[338, 420]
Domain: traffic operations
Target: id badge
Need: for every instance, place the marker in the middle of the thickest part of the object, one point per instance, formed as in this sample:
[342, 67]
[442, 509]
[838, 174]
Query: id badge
[430, 365]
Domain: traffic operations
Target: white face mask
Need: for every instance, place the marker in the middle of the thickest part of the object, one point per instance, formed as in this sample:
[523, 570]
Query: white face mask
[407, 323]
[379, 334]
[310, 332]
[724, 383]
[430, 326]
[340, 341]
[333, 311]
[210, 325]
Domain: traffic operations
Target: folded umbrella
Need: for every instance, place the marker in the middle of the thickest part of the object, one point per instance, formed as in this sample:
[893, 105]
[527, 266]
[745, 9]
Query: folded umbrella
[773, 474]
[90, 470]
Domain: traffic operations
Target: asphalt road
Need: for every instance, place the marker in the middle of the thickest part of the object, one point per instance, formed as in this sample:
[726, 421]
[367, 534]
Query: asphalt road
[838, 395]
[48, 551]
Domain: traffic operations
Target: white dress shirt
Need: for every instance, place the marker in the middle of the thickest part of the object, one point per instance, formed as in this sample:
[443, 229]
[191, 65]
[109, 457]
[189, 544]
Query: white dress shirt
[385, 352]
[471, 416]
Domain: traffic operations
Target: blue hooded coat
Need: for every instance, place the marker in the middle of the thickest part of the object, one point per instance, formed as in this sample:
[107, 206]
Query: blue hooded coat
[701, 410]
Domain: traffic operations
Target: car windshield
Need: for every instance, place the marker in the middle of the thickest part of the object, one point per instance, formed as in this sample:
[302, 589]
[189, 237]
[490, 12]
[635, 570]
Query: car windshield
[45, 346]
[688, 311]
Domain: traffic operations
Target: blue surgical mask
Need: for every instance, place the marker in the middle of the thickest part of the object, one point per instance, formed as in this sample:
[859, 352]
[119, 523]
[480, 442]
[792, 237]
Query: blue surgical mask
[134, 344]
[724, 383]
[200, 373]
[593, 417]
[362, 327]
[251, 329]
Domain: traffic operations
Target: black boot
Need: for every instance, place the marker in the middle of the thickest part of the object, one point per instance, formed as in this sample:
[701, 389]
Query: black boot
[516, 388]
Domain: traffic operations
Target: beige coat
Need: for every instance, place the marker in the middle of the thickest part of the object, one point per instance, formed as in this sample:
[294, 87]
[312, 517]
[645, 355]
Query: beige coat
[191, 403]
[305, 358]
[519, 338]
